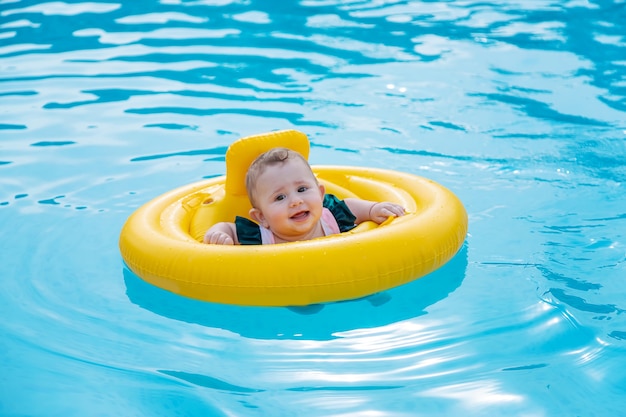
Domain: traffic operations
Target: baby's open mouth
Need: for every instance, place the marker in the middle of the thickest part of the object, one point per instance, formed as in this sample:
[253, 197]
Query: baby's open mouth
[300, 215]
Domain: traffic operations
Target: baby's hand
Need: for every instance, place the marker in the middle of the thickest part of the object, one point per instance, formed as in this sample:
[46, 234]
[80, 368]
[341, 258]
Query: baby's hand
[217, 237]
[380, 212]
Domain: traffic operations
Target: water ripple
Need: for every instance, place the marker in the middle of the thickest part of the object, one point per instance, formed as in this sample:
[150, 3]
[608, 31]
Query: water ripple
[57, 8]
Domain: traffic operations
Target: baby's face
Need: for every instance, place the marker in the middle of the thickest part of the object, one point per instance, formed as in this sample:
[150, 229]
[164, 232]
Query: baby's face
[289, 201]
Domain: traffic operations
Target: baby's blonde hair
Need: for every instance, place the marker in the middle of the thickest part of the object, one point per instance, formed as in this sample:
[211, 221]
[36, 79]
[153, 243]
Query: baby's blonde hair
[267, 159]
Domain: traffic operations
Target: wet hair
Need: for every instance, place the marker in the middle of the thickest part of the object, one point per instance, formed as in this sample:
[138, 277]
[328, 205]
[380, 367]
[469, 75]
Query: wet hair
[274, 156]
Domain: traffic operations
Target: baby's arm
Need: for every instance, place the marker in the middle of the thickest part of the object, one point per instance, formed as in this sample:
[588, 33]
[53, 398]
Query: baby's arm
[369, 210]
[221, 234]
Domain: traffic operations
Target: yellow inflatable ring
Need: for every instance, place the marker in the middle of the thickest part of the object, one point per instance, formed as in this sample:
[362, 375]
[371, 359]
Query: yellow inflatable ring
[161, 241]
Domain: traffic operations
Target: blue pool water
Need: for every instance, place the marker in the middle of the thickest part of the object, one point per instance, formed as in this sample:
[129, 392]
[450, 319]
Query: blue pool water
[519, 107]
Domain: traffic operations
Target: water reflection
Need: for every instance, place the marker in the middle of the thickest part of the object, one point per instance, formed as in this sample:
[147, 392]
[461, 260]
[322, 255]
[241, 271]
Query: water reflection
[319, 322]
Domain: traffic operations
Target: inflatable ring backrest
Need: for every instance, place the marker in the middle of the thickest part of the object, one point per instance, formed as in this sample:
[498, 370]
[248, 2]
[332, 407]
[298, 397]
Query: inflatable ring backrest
[230, 200]
[244, 151]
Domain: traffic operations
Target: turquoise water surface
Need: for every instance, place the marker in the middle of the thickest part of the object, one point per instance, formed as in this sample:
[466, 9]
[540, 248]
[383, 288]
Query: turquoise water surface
[519, 107]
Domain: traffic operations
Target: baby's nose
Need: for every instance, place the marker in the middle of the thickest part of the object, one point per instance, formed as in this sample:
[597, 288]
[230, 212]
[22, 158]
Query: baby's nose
[296, 200]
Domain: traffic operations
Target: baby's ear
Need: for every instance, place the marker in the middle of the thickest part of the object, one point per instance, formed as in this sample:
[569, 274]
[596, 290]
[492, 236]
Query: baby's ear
[322, 190]
[257, 216]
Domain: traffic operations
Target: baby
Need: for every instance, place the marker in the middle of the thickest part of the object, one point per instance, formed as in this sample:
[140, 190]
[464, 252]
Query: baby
[288, 205]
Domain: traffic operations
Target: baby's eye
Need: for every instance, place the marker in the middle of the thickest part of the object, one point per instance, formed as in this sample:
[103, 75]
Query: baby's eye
[302, 189]
[280, 197]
